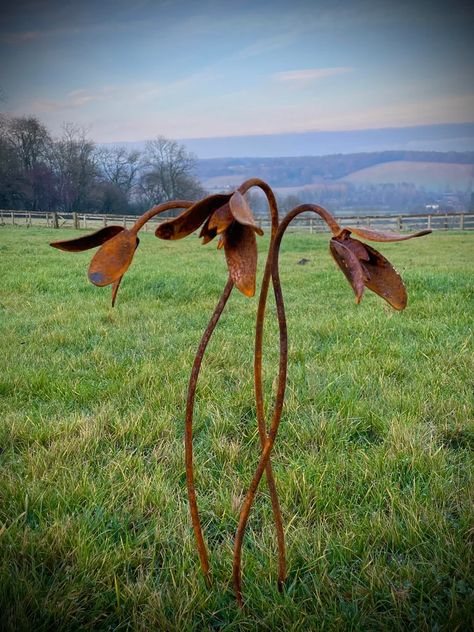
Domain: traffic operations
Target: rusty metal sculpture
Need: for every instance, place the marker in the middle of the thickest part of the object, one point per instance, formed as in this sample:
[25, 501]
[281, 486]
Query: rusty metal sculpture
[229, 217]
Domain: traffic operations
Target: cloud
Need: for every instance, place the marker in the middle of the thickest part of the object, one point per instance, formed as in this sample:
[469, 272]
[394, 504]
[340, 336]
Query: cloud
[74, 100]
[309, 75]
[268, 44]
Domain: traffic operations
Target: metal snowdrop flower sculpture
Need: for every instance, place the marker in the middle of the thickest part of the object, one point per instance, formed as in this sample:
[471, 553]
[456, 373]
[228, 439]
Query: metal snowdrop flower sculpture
[229, 217]
[113, 258]
[365, 267]
[234, 222]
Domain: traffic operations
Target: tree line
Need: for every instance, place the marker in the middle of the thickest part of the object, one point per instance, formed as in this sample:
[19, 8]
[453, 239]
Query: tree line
[70, 172]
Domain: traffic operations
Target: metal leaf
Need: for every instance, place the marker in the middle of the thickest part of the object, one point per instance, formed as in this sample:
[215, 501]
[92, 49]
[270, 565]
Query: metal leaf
[350, 265]
[242, 212]
[378, 235]
[384, 280]
[88, 241]
[240, 248]
[192, 218]
[112, 260]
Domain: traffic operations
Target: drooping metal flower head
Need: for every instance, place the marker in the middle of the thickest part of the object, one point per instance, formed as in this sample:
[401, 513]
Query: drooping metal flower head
[364, 267]
[230, 217]
[113, 258]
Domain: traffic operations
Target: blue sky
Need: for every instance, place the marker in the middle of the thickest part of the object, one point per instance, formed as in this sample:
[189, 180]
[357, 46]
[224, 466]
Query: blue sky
[130, 70]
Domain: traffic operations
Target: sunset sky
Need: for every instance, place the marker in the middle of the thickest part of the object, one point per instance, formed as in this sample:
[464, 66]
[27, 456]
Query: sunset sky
[129, 70]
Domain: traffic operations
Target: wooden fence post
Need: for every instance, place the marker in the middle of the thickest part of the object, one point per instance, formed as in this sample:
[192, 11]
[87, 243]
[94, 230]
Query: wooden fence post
[75, 220]
[429, 222]
[13, 218]
[461, 221]
[84, 221]
[399, 222]
[55, 220]
[311, 225]
[105, 220]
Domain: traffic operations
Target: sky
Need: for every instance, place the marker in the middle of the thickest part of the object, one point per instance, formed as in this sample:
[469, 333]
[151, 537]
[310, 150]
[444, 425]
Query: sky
[131, 70]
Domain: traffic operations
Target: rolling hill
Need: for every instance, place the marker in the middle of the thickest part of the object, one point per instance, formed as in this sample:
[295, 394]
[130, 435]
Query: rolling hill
[436, 176]
[432, 171]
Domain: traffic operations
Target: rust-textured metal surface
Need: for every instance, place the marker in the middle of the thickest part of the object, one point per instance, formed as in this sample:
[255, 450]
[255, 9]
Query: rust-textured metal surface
[188, 432]
[276, 418]
[240, 248]
[383, 236]
[258, 383]
[113, 258]
[230, 217]
[218, 222]
[349, 264]
[242, 213]
[190, 220]
[88, 241]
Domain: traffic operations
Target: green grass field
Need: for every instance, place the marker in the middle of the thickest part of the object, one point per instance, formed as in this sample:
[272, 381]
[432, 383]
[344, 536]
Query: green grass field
[373, 460]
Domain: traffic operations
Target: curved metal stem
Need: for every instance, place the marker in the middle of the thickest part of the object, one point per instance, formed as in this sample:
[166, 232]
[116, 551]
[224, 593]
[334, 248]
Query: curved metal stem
[188, 435]
[258, 383]
[276, 417]
[156, 210]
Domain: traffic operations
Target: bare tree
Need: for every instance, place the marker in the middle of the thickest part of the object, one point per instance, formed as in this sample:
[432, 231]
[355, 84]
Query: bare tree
[72, 157]
[26, 139]
[120, 167]
[167, 172]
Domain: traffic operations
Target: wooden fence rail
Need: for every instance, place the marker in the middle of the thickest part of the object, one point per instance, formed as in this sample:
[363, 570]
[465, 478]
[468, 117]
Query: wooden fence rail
[399, 222]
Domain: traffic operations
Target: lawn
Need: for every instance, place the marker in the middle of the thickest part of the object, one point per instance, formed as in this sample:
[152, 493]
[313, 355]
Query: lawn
[373, 460]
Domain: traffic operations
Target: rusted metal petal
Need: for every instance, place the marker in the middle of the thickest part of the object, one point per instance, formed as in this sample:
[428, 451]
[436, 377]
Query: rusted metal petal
[350, 265]
[112, 260]
[221, 219]
[357, 247]
[242, 212]
[384, 280]
[207, 234]
[88, 241]
[378, 235]
[192, 218]
[240, 248]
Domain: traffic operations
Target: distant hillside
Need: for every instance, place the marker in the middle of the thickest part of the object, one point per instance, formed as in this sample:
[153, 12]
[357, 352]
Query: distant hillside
[439, 176]
[422, 168]
[442, 137]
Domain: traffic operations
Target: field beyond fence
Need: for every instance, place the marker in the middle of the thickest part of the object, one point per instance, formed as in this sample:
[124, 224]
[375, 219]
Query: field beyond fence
[397, 222]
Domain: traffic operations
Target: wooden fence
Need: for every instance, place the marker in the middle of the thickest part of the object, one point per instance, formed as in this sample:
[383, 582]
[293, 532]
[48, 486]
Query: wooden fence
[399, 222]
